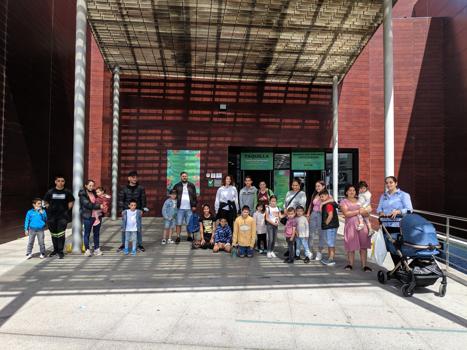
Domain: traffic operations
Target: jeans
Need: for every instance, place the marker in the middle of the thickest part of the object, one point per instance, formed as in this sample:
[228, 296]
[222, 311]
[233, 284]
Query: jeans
[130, 236]
[138, 235]
[302, 241]
[32, 237]
[261, 242]
[315, 230]
[330, 235]
[183, 215]
[88, 227]
[271, 236]
[291, 248]
[169, 224]
[248, 251]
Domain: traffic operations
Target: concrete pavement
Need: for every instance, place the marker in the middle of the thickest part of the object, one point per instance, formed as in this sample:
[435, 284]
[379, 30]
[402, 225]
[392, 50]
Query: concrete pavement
[172, 297]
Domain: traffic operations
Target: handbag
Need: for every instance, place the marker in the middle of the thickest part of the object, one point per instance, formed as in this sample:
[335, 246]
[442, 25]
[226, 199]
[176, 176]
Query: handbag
[284, 219]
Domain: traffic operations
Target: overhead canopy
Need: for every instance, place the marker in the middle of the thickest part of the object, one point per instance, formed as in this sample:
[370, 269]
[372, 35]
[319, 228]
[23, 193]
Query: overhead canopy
[299, 41]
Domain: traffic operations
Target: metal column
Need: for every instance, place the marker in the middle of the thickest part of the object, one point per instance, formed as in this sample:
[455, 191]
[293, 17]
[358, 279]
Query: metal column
[335, 138]
[79, 118]
[115, 131]
[388, 91]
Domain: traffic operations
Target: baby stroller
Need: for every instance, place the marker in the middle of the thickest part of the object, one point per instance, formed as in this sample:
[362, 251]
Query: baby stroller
[416, 245]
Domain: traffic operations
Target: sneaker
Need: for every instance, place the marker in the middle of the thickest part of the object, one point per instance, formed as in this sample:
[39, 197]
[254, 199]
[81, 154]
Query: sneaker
[269, 255]
[98, 252]
[273, 255]
[119, 249]
[328, 262]
[287, 261]
[307, 260]
[42, 256]
[125, 251]
[28, 256]
[169, 241]
[163, 242]
[177, 240]
[141, 248]
[189, 239]
[61, 255]
[319, 256]
[133, 253]
[87, 253]
[53, 253]
[297, 257]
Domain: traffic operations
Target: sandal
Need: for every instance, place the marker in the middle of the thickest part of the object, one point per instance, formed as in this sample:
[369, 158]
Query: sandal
[348, 267]
[367, 269]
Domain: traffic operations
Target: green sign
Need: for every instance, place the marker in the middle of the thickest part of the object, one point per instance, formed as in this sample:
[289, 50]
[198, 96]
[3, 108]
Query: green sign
[308, 161]
[281, 185]
[183, 160]
[257, 161]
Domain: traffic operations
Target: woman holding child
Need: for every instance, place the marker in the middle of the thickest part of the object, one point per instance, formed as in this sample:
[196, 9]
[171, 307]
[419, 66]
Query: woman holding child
[355, 238]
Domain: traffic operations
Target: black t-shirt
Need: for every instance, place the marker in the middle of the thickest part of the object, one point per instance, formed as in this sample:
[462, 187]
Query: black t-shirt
[208, 224]
[58, 202]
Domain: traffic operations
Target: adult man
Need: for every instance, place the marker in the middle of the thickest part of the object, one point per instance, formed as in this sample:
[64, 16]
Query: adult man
[186, 202]
[132, 191]
[248, 195]
[58, 201]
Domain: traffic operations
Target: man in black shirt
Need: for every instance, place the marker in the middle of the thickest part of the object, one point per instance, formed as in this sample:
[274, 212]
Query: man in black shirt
[132, 191]
[58, 201]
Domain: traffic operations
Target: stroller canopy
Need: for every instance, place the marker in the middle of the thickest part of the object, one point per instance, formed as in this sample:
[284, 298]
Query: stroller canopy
[417, 230]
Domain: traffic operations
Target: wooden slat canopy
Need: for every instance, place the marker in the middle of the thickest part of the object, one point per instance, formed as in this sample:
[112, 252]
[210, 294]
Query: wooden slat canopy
[297, 41]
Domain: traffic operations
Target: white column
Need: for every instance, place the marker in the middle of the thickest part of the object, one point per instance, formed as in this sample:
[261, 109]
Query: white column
[388, 91]
[115, 131]
[335, 138]
[79, 118]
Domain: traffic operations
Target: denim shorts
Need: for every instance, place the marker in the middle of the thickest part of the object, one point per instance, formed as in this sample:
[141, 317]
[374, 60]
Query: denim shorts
[330, 236]
[169, 224]
[183, 216]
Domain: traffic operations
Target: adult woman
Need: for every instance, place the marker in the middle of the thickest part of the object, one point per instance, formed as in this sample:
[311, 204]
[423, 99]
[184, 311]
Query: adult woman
[392, 203]
[354, 239]
[263, 195]
[87, 200]
[226, 204]
[295, 197]
[314, 214]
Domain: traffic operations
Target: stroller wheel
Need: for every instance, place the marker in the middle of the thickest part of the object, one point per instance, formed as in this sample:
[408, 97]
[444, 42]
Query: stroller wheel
[407, 290]
[382, 277]
[442, 290]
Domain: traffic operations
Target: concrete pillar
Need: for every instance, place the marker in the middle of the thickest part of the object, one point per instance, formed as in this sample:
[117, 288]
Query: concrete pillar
[388, 91]
[335, 138]
[115, 132]
[79, 118]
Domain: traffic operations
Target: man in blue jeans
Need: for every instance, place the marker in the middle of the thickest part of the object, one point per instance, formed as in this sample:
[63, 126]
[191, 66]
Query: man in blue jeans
[186, 203]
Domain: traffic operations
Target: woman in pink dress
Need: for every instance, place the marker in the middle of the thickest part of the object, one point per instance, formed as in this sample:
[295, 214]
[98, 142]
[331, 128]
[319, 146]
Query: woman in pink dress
[354, 239]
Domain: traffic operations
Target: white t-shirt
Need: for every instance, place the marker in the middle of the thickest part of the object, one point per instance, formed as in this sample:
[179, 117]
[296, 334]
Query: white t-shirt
[303, 229]
[273, 214]
[260, 224]
[131, 225]
[185, 203]
[364, 199]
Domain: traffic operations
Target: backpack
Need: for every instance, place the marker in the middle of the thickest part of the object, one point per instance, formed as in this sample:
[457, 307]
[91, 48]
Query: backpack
[193, 223]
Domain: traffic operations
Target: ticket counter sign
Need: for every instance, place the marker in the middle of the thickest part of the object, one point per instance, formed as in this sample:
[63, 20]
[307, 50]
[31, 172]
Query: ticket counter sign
[308, 161]
[257, 161]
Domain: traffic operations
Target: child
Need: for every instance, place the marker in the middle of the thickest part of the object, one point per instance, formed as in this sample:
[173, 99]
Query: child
[290, 232]
[272, 217]
[245, 233]
[329, 225]
[364, 198]
[206, 228]
[131, 225]
[169, 212]
[302, 234]
[34, 225]
[192, 228]
[102, 199]
[222, 237]
[261, 244]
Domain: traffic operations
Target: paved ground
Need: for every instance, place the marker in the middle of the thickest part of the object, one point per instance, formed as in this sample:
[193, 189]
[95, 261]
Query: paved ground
[172, 297]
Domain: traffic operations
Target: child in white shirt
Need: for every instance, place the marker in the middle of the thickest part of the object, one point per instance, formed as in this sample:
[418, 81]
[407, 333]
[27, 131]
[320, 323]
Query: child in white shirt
[364, 198]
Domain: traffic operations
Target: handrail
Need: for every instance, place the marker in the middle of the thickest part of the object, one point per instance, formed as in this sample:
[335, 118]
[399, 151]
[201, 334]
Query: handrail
[444, 216]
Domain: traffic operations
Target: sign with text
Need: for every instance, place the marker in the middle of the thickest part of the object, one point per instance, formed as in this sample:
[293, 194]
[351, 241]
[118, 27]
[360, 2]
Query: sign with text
[308, 161]
[257, 161]
[281, 185]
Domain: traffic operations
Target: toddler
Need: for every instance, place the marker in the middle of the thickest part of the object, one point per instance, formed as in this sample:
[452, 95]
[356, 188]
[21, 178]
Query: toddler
[364, 198]
[102, 199]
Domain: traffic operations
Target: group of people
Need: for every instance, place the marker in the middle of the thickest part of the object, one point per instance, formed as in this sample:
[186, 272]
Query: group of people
[241, 223]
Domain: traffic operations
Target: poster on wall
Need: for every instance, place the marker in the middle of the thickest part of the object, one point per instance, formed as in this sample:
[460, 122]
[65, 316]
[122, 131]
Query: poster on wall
[183, 160]
[308, 161]
[281, 185]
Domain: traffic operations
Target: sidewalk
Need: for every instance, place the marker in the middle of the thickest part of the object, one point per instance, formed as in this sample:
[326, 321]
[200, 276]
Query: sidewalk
[172, 297]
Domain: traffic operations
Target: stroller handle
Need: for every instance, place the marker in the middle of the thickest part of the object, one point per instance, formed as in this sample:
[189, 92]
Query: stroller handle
[389, 218]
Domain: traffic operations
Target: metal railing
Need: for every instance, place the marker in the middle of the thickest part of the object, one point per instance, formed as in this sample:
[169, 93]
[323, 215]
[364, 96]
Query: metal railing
[450, 230]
